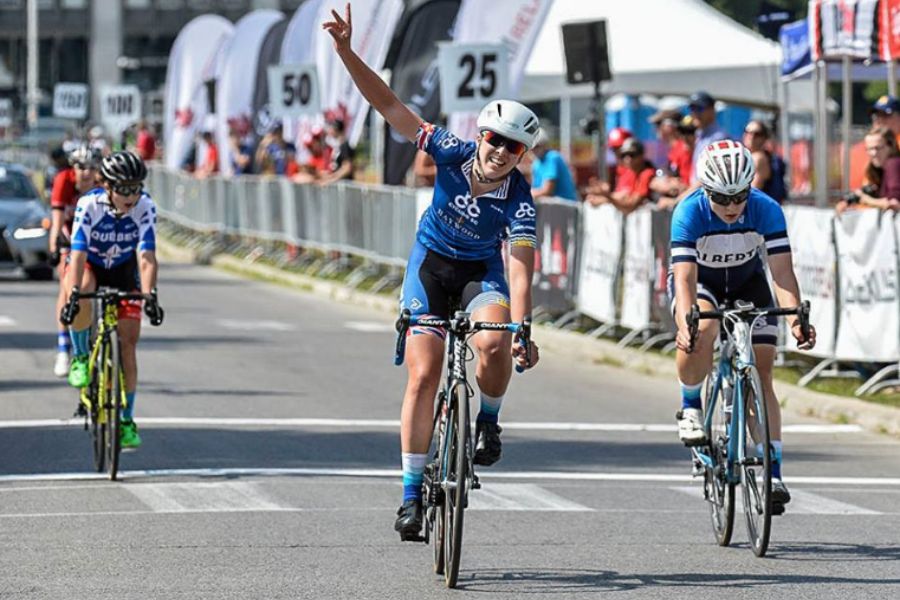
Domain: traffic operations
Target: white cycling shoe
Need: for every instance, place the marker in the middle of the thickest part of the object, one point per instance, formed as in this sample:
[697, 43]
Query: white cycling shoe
[61, 366]
[690, 426]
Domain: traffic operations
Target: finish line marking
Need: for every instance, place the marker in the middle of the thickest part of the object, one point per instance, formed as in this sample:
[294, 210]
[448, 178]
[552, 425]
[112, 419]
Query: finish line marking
[396, 473]
[394, 424]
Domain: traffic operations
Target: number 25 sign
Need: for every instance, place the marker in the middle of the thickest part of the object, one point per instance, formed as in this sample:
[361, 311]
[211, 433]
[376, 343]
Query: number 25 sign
[471, 75]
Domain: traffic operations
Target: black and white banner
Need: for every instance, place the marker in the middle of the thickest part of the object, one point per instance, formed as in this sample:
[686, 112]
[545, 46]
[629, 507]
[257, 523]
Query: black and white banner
[869, 321]
[554, 270]
[841, 28]
[601, 252]
[810, 231]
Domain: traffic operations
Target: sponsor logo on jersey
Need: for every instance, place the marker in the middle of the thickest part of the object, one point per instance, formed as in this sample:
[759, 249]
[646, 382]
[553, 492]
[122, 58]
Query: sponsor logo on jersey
[525, 210]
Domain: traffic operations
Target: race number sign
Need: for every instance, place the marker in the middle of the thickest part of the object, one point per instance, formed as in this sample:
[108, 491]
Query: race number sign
[293, 90]
[70, 100]
[471, 75]
[6, 112]
[120, 106]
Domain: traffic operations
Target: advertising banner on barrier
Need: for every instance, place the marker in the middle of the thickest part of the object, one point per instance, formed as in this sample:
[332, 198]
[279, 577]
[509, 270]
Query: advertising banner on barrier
[810, 231]
[601, 252]
[637, 274]
[843, 28]
[554, 267]
[660, 309]
[869, 320]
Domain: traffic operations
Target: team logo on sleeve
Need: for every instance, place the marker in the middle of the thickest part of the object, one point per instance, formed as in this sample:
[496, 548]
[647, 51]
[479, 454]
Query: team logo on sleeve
[525, 210]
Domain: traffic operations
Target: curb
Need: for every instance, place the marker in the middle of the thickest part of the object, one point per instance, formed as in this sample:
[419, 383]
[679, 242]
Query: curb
[794, 399]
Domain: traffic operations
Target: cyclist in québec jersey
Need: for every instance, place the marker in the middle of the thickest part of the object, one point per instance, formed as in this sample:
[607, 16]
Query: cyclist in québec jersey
[480, 200]
[68, 185]
[114, 245]
[717, 232]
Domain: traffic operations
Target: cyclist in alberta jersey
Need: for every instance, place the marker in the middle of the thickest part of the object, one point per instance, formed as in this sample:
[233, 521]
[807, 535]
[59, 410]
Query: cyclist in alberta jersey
[114, 245]
[716, 234]
[479, 200]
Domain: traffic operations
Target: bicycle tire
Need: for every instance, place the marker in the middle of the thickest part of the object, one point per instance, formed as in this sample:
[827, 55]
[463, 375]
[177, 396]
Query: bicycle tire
[436, 521]
[756, 475]
[98, 426]
[719, 491]
[455, 496]
[113, 406]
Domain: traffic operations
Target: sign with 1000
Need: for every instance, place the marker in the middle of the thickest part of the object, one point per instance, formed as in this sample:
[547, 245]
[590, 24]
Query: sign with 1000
[70, 100]
[120, 106]
[293, 90]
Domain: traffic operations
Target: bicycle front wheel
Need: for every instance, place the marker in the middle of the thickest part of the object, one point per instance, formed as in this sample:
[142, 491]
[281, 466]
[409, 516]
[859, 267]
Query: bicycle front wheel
[719, 490]
[98, 422]
[112, 404]
[455, 497]
[756, 465]
[435, 489]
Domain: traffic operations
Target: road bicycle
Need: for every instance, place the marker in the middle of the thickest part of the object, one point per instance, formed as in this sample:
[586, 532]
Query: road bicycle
[450, 475]
[103, 399]
[738, 447]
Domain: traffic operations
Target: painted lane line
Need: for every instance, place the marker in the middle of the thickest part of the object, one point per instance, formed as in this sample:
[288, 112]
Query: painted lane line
[393, 424]
[387, 473]
[521, 496]
[262, 325]
[370, 327]
[6, 321]
[203, 497]
[802, 502]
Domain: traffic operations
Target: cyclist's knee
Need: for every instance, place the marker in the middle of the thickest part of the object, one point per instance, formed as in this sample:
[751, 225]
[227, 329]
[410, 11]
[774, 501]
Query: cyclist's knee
[491, 344]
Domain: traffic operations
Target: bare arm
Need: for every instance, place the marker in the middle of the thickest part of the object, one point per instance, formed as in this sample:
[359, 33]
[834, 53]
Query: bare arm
[372, 87]
[149, 269]
[75, 272]
[56, 220]
[521, 272]
[547, 189]
[763, 170]
[787, 292]
[685, 280]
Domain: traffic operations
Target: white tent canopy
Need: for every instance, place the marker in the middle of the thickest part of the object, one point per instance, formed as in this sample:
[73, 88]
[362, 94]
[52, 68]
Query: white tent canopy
[664, 47]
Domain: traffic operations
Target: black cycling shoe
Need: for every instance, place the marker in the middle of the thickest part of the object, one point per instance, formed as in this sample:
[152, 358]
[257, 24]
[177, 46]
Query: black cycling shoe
[780, 493]
[487, 443]
[409, 521]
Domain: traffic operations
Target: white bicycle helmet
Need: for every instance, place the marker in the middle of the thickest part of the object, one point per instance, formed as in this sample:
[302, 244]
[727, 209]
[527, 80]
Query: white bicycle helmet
[726, 167]
[510, 119]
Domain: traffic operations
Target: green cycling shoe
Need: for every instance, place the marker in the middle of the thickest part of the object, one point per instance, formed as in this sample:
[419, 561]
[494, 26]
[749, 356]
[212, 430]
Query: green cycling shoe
[78, 372]
[128, 435]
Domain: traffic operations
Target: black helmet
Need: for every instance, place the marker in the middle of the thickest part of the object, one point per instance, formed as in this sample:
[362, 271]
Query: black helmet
[123, 167]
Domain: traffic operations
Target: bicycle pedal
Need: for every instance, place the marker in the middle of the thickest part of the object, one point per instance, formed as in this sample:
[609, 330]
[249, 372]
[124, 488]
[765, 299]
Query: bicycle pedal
[777, 509]
[476, 483]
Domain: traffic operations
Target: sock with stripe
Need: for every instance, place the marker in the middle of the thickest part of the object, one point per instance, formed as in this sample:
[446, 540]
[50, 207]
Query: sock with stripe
[413, 466]
[490, 408]
[690, 395]
[776, 462]
[128, 413]
[63, 341]
[80, 341]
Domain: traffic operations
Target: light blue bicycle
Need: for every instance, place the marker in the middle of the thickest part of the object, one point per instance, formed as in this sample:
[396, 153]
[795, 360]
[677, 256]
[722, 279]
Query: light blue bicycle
[737, 426]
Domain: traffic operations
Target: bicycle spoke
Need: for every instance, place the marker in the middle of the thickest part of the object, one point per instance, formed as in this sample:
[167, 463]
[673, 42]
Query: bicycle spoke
[756, 467]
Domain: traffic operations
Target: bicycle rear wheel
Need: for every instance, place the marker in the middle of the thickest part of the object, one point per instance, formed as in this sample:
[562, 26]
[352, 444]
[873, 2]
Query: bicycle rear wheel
[112, 405]
[98, 425]
[719, 491]
[756, 466]
[455, 497]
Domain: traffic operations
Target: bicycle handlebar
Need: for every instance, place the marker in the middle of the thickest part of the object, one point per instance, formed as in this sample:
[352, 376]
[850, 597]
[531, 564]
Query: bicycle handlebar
[70, 310]
[747, 310]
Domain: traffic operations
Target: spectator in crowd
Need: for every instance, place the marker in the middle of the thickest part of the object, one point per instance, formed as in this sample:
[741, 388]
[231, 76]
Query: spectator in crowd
[882, 183]
[275, 155]
[424, 169]
[675, 177]
[241, 154]
[550, 175]
[145, 142]
[318, 163]
[614, 141]
[675, 185]
[769, 166]
[341, 153]
[703, 109]
[210, 163]
[886, 113]
[97, 140]
[632, 181]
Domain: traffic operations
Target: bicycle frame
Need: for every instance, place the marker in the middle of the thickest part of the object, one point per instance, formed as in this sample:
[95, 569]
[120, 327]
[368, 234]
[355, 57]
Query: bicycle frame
[107, 323]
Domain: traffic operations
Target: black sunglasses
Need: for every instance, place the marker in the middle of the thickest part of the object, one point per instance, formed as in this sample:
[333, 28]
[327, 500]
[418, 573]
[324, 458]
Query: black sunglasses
[726, 199]
[82, 166]
[127, 189]
[496, 140]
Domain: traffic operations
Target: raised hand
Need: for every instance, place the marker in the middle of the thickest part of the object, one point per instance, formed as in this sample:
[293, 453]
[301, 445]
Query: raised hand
[340, 29]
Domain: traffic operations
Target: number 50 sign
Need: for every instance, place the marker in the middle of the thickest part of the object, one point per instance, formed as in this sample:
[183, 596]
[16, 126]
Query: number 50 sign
[471, 75]
[293, 90]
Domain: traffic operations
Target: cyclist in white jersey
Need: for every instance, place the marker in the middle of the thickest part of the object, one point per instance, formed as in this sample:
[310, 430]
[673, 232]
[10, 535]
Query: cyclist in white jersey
[480, 200]
[716, 234]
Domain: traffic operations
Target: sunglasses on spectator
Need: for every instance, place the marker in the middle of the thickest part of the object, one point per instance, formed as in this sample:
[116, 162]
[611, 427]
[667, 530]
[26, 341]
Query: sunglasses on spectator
[630, 154]
[726, 199]
[127, 189]
[496, 140]
[753, 132]
[85, 166]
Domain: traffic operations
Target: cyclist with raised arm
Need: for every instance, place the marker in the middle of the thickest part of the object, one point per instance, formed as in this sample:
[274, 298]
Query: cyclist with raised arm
[717, 231]
[68, 186]
[114, 245]
[479, 200]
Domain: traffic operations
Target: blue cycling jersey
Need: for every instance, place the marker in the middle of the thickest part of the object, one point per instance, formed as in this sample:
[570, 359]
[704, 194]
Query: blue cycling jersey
[727, 255]
[109, 240]
[456, 225]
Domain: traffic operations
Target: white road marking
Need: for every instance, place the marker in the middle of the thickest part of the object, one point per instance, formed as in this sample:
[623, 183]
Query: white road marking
[370, 326]
[392, 423]
[7, 321]
[521, 496]
[202, 497]
[802, 502]
[255, 325]
[387, 473]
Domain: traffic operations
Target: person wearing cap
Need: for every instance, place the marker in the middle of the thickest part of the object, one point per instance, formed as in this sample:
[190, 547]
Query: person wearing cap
[885, 114]
[703, 109]
[632, 181]
[550, 175]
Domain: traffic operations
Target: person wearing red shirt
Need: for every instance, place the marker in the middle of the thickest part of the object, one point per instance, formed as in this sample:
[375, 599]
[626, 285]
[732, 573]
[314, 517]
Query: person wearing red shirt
[145, 142]
[210, 164]
[68, 185]
[633, 178]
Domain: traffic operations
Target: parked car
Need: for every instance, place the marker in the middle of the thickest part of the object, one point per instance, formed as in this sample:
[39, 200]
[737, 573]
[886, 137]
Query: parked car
[24, 225]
